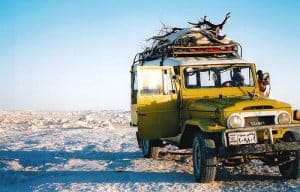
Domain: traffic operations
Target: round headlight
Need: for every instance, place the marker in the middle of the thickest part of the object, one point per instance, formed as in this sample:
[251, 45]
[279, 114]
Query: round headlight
[235, 121]
[284, 118]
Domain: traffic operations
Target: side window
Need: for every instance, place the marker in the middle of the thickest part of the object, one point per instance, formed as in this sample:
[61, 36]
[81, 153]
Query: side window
[135, 83]
[168, 87]
[150, 82]
[134, 87]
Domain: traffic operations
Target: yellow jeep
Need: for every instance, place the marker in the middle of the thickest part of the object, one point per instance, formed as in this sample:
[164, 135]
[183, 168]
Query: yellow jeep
[204, 96]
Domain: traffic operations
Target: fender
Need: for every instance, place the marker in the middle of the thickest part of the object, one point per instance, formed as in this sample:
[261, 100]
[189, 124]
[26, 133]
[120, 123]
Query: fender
[192, 126]
[205, 125]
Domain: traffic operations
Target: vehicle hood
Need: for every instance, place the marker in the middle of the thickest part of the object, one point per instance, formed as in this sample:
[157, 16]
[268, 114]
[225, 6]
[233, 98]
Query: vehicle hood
[235, 104]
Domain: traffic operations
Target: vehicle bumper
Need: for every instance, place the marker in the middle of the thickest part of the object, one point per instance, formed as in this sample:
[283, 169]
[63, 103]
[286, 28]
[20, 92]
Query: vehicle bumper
[256, 149]
[267, 128]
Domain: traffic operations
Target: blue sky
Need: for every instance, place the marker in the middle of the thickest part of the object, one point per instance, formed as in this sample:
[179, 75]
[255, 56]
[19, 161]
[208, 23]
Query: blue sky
[76, 54]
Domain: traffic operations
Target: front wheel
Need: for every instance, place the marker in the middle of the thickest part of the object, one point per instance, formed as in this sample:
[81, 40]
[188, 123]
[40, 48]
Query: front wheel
[291, 170]
[149, 150]
[204, 158]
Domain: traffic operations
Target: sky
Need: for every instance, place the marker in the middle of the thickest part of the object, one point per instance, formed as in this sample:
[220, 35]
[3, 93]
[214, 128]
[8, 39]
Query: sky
[76, 54]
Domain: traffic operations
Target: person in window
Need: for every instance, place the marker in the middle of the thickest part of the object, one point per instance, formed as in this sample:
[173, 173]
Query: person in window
[261, 84]
[237, 77]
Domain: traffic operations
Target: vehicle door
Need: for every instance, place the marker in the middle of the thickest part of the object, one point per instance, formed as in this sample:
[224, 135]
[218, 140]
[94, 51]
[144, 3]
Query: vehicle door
[157, 102]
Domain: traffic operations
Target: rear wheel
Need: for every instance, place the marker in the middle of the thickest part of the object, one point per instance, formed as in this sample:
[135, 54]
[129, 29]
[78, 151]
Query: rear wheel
[149, 150]
[291, 170]
[204, 158]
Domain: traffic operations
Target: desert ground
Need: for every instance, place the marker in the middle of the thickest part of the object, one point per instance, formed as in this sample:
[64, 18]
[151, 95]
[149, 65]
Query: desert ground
[97, 151]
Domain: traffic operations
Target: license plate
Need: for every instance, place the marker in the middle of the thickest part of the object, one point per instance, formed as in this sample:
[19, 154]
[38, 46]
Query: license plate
[241, 138]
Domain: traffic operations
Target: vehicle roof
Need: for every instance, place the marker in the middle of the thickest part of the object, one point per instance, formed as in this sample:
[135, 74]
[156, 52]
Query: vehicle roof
[186, 61]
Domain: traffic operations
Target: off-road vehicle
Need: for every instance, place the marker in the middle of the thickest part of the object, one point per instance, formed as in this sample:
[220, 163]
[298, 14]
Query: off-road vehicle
[193, 89]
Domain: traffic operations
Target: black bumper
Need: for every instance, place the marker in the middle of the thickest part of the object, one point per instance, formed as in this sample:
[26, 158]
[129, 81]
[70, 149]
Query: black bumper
[256, 149]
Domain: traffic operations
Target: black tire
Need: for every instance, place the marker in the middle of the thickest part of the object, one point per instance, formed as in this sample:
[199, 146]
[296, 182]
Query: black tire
[204, 158]
[291, 170]
[149, 151]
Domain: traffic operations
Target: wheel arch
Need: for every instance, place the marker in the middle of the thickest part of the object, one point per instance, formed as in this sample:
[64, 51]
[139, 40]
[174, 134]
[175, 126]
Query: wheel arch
[186, 140]
[191, 127]
[291, 170]
[294, 133]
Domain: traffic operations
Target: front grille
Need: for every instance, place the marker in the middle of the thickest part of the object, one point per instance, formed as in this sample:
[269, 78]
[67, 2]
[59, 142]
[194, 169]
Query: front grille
[259, 121]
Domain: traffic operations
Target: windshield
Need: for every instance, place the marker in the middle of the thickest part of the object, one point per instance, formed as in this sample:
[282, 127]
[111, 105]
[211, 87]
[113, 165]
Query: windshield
[221, 76]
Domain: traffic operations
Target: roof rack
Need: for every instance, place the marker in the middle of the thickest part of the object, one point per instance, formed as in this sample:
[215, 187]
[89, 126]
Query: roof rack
[201, 40]
[218, 50]
[230, 50]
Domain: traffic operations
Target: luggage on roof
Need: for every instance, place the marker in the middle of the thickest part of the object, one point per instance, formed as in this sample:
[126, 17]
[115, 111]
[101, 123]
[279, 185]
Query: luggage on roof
[203, 39]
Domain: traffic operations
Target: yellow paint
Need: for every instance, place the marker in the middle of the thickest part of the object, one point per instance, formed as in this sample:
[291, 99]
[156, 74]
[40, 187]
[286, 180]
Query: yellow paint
[165, 114]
